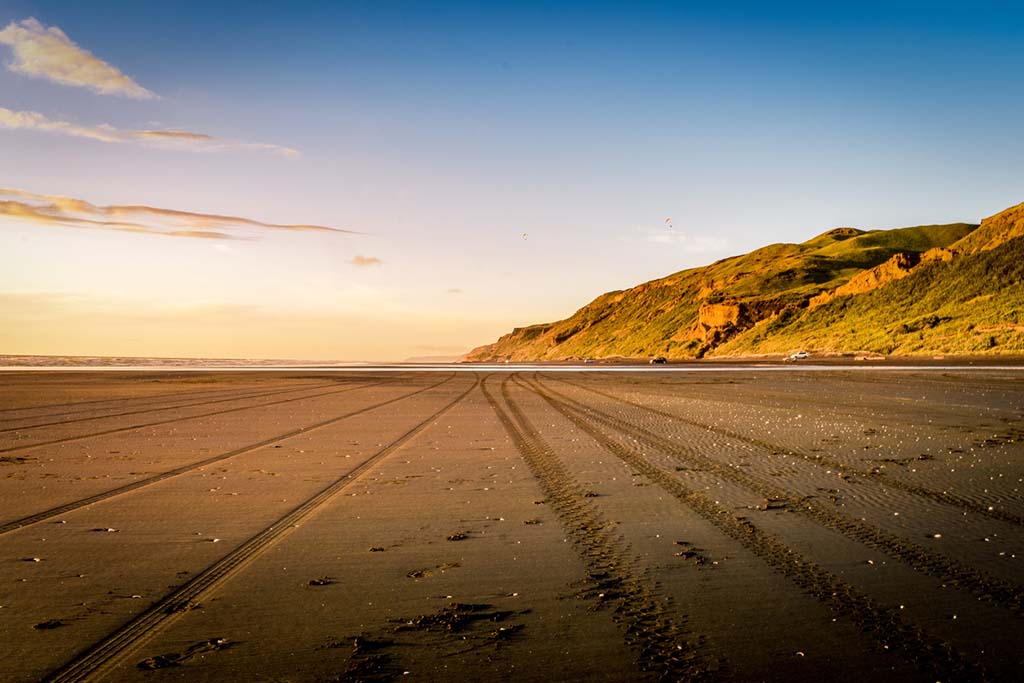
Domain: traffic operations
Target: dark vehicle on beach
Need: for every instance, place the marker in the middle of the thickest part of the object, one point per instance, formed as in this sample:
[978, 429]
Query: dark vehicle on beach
[659, 360]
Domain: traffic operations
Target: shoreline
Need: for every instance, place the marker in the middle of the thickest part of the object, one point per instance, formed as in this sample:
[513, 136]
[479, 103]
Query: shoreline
[751, 363]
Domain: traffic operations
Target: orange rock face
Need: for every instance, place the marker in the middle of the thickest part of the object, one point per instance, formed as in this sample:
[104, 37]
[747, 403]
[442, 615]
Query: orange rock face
[896, 268]
[938, 254]
[720, 315]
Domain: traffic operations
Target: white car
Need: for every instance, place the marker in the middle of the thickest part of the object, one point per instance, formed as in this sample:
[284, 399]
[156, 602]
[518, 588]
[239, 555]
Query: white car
[800, 355]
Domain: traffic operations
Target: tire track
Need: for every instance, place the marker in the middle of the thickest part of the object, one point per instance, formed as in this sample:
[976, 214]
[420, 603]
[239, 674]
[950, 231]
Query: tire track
[883, 624]
[102, 656]
[860, 399]
[665, 647]
[7, 527]
[949, 571]
[117, 430]
[241, 397]
[824, 461]
[110, 400]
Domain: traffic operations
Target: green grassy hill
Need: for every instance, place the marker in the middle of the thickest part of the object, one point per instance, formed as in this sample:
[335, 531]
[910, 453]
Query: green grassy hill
[972, 304]
[928, 289]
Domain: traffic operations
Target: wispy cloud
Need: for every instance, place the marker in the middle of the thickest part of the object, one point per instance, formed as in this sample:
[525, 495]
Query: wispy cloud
[48, 53]
[363, 261]
[168, 139]
[45, 209]
[170, 135]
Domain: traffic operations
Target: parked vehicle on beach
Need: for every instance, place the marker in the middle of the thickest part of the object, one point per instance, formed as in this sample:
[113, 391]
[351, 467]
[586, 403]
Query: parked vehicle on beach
[659, 360]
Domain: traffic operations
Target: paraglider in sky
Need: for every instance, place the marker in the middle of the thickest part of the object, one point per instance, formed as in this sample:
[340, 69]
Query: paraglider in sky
[525, 235]
[668, 222]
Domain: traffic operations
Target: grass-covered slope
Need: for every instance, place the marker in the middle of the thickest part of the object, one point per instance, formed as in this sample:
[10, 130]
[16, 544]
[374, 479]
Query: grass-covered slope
[971, 304]
[926, 289]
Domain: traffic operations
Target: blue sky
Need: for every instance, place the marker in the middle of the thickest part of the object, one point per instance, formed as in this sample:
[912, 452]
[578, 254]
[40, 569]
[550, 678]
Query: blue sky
[446, 131]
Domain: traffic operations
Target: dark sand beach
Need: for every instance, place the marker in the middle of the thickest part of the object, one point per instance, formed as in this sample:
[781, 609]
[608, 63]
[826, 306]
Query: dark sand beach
[740, 525]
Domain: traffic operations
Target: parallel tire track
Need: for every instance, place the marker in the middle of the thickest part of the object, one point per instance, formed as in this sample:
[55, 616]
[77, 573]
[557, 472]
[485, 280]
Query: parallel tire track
[157, 423]
[136, 399]
[101, 657]
[884, 625]
[949, 571]
[148, 481]
[239, 397]
[665, 646]
[824, 461]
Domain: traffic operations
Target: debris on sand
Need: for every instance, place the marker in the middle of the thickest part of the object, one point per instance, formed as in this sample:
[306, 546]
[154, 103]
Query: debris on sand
[463, 626]
[172, 659]
[377, 549]
[455, 618]
[49, 624]
[503, 633]
[159, 662]
[691, 552]
[698, 559]
[322, 581]
[369, 662]
[532, 521]
[362, 645]
[375, 667]
[458, 536]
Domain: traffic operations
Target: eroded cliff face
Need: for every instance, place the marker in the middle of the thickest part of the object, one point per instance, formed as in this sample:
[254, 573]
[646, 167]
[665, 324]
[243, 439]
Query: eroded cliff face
[721, 315]
[896, 268]
[719, 322]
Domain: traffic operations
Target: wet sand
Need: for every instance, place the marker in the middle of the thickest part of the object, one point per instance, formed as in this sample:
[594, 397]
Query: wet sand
[370, 526]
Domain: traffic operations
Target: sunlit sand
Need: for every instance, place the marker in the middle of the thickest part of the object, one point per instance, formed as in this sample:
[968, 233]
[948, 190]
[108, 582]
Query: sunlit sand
[521, 525]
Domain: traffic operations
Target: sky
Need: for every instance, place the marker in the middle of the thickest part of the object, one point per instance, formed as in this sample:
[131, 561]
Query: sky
[377, 180]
